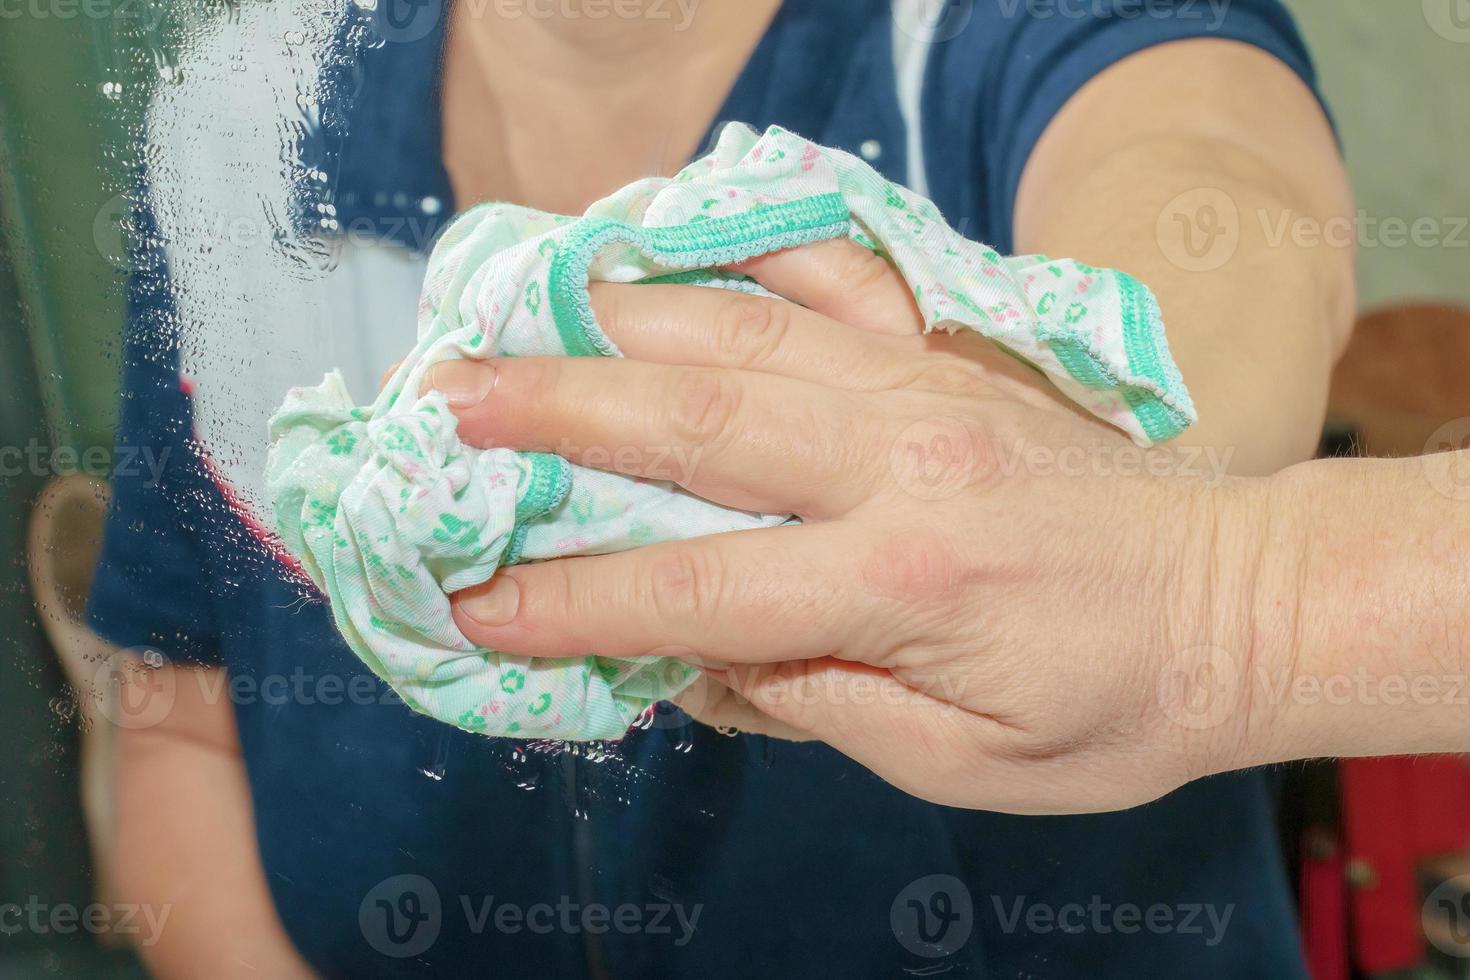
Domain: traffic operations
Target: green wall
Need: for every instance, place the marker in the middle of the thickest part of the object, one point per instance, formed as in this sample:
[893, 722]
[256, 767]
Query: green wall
[63, 147]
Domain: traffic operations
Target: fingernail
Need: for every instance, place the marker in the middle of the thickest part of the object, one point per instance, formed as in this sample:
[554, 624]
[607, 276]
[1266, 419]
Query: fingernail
[497, 605]
[464, 383]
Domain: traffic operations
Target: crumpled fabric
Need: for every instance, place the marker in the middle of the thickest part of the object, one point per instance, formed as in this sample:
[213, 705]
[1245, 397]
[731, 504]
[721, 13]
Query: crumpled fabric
[388, 512]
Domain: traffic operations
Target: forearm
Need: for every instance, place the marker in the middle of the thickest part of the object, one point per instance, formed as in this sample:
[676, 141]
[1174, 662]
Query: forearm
[1362, 612]
[1254, 338]
[1256, 308]
[189, 850]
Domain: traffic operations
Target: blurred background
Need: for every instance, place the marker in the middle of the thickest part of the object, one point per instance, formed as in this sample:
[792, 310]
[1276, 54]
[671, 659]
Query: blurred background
[1373, 843]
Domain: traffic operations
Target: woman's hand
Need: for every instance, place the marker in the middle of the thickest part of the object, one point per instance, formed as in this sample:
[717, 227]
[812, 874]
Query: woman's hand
[992, 599]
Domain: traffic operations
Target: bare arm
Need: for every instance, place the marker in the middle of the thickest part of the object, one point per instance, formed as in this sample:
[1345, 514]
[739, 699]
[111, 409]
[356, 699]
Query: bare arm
[1149, 168]
[186, 834]
[1362, 611]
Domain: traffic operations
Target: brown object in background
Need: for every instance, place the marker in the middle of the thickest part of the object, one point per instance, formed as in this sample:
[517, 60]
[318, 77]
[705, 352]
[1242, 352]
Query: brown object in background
[1405, 373]
[64, 538]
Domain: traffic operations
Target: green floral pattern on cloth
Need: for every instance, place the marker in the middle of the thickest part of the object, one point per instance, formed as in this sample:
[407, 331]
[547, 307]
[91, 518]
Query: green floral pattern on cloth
[389, 513]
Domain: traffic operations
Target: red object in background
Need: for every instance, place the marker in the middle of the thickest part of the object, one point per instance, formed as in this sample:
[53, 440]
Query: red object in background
[1395, 813]
[1324, 914]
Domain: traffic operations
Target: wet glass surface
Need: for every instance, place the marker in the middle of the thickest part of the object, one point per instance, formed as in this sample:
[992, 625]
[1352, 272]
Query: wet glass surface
[205, 203]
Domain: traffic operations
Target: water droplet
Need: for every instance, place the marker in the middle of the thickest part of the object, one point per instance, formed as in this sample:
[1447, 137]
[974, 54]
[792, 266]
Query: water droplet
[435, 770]
[63, 708]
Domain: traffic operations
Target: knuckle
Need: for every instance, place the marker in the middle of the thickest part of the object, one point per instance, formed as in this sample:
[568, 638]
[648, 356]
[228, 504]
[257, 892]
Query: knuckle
[750, 330]
[684, 586]
[916, 567]
[860, 270]
[703, 406]
[939, 449]
[553, 596]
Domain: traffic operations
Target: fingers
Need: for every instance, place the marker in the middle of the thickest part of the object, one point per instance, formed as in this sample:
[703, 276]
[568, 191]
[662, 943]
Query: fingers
[924, 745]
[814, 696]
[746, 440]
[841, 280]
[863, 711]
[703, 327]
[760, 595]
[711, 703]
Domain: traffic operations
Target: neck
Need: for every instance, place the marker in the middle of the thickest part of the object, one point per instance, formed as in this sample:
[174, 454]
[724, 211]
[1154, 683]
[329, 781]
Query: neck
[596, 41]
[556, 110]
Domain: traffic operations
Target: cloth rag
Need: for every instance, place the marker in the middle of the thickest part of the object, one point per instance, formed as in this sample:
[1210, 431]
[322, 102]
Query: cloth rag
[388, 513]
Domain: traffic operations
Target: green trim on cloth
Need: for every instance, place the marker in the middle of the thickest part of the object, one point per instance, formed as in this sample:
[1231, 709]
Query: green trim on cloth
[699, 245]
